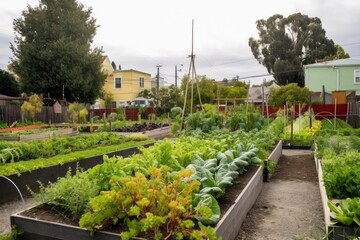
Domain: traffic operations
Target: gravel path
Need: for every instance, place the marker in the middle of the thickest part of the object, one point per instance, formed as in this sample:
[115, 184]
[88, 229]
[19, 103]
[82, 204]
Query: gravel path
[9, 208]
[289, 206]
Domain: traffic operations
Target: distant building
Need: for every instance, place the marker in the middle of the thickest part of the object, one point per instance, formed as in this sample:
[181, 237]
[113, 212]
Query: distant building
[336, 75]
[257, 94]
[124, 85]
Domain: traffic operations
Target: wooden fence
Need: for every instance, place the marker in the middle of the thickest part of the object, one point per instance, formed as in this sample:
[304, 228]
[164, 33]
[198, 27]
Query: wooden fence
[11, 113]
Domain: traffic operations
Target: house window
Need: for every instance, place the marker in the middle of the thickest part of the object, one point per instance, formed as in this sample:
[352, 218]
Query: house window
[141, 82]
[357, 76]
[113, 104]
[117, 82]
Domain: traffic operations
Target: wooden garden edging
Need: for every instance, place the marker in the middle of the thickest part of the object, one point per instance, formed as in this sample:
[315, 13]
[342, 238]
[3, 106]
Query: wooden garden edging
[51, 173]
[43, 135]
[228, 227]
[333, 231]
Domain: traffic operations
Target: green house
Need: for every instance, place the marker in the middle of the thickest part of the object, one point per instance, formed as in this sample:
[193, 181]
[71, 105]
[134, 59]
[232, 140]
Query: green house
[336, 75]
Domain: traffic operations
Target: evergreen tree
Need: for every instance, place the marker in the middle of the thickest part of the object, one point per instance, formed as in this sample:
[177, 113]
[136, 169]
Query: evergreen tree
[53, 54]
[8, 85]
[286, 44]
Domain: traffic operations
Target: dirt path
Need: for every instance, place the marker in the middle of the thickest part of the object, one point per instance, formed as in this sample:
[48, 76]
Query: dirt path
[289, 206]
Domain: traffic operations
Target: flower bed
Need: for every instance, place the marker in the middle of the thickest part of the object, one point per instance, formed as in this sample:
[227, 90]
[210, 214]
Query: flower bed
[227, 227]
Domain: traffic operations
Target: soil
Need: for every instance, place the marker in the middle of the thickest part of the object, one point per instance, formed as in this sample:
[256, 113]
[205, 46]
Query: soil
[289, 206]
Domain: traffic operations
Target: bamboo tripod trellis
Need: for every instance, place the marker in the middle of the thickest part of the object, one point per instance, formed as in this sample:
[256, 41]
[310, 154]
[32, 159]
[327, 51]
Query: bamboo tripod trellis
[191, 79]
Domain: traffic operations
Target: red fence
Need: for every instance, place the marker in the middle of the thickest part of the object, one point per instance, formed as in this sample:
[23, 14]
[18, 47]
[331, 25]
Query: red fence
[321, 111]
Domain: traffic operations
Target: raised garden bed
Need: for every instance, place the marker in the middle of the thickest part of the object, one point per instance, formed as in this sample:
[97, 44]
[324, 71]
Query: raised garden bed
[43, 135]
[333, 231]
[227, 228]
[8, 192]
[158, 133]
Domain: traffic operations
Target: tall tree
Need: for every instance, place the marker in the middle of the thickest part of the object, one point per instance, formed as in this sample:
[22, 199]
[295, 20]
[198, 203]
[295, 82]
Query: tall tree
[53, 54]
[340, 54]
[286, 44]
[8, 84]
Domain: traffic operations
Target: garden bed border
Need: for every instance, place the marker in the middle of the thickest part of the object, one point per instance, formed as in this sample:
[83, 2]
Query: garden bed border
[333, 231]
[43, 135]
[228, 227]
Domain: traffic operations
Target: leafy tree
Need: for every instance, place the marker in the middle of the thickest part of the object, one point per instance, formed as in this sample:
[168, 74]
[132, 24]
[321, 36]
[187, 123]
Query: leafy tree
[207, 88]
[52, 50]
[148, 94]
[286, 44]
[77, 112]
[170, 97]
[290, 94]
[8, 84]
[340, 54]
[233, 92]
[32, 106]
[243, 84]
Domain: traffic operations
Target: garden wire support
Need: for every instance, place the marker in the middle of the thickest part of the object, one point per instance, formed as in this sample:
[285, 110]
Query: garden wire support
[23, 201]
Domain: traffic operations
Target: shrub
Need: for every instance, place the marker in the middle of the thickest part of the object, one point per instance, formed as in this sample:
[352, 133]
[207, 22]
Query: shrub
[175, 111]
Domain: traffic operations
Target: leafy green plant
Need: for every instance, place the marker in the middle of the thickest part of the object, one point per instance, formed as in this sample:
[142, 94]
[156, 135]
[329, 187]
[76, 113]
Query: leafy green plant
[206, 121]
[12, 235]
[216, 174]
[9, 154]
[342, 174]
[61, 145]
[334, 124]
[159, 206]
[23, 166]
[175, 111]
[347, 212]
[69, 194]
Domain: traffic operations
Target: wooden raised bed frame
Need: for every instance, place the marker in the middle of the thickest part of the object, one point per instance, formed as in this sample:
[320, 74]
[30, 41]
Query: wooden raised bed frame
[333, 231]
[228, 227]
[43, 135]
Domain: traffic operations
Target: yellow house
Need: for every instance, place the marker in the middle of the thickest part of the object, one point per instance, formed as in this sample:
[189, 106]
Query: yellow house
[123, 85]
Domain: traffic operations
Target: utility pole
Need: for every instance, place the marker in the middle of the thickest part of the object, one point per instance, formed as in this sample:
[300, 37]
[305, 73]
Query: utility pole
[176, 76]
[158, 84]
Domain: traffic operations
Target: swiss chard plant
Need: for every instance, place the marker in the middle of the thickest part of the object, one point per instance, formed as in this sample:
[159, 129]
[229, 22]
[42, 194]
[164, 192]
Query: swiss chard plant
[346, 212]
[158, 207]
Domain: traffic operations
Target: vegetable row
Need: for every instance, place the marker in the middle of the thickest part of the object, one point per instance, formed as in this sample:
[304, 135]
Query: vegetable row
[170, 190]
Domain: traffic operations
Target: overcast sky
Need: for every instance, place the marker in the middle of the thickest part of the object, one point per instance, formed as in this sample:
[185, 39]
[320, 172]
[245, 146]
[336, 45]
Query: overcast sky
[141, 34]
